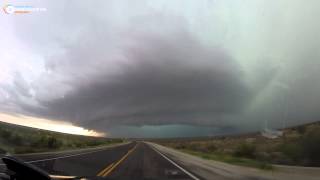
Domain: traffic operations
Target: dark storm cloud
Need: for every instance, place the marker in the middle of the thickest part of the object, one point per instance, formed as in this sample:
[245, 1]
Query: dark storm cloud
[146, 68]
[141, 64]
[170, 79]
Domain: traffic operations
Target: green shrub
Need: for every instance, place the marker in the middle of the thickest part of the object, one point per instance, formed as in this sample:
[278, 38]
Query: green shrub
[211, 147]
[41, 141]
[80, 144]
[5, 134]
[94, 143]
[180, 146]
[22, 150]
[26, 140]
[291, 150]
[16, 139]
[245, 150]
[311, 146]
[53, 143]
[301, 129]
[45, 141]
[2, 151]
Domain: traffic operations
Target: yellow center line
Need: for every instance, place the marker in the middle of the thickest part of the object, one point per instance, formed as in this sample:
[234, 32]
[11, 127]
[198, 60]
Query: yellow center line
[122, 159]
[104, 170]
[112, 166]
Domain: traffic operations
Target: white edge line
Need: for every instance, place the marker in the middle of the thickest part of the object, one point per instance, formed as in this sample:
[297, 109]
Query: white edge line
[172, 162]
[61, 157]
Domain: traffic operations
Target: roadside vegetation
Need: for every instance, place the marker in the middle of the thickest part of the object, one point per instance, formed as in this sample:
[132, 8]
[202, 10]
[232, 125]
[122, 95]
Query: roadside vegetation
[18, 139]
[299, 146]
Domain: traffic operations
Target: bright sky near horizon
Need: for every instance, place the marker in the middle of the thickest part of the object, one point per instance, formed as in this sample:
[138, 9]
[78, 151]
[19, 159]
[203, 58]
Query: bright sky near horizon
[58, 126]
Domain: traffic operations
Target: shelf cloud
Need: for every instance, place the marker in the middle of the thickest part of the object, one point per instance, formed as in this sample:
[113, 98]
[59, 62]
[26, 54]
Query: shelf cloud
[150, 64]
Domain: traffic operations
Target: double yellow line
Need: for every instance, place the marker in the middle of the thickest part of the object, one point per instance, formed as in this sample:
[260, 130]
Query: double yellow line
[106, 171]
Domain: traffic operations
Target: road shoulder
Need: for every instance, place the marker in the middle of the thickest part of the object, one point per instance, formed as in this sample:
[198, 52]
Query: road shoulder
[219, 170]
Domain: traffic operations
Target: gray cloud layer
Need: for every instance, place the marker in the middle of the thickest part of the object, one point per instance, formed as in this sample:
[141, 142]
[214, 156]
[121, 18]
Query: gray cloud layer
[168, 80]
[162, 79]
[105, 70]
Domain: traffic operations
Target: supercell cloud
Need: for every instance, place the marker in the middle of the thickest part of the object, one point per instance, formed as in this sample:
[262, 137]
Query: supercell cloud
[125, 68]
[159, 80]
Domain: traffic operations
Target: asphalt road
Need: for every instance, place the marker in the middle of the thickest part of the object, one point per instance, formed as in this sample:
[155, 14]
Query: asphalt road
[136, 160]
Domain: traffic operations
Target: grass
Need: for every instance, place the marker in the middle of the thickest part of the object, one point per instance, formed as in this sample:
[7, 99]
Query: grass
[231, 159]
[298, 146]
[18, 139]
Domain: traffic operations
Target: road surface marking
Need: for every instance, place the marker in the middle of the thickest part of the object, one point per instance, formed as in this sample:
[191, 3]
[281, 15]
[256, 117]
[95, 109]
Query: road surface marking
[61, 157]
[172, 162]
[62, 177]
[104, 170]
[117, 163]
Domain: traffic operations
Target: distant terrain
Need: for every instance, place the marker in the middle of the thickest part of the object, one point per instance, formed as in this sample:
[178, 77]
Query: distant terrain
[299, 146]
[20, 139]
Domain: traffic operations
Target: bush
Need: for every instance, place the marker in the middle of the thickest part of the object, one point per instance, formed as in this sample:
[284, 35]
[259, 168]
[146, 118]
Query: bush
[291, 150]
[93, 143]
[245, 150]
[79, 144]
[311, 146]
[2, 151]
[306, 150]
[21, 150]
[262, 156]
[211, 147]
[301, 129]
[53, 143]
[193, 146]
[40, 141]
[5, 134]
[47, 142]
[180, 146]
[16, 139]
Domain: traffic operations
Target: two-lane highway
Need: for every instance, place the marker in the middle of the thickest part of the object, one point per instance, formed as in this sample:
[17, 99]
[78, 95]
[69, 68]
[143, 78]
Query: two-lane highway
[129, 161]
[145, 162]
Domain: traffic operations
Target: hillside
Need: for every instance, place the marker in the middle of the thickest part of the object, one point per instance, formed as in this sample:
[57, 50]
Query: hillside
[299, 145]
[20, 139]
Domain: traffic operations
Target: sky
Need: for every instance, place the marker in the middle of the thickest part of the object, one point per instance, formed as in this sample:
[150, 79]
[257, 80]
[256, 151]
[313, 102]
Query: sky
[161, 68]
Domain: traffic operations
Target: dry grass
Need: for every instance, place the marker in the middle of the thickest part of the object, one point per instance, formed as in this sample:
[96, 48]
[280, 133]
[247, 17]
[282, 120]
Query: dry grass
[298, 146]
